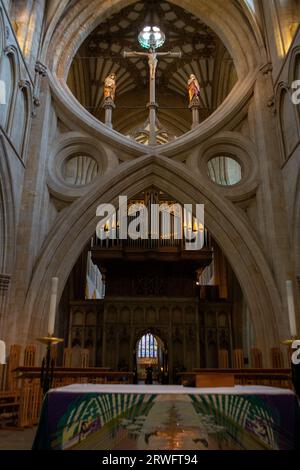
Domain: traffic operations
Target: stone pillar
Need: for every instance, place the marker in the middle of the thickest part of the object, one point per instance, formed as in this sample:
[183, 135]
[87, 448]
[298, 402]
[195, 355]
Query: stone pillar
[109, 106]
[28, 16]
[195, 107]
[273, 228]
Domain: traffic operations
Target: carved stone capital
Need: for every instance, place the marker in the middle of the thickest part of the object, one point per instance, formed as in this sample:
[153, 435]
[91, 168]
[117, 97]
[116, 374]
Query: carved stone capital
[36, 101]
[41, 69]
[23, 84]
[195, 103]
[266, 68]
[108, 103]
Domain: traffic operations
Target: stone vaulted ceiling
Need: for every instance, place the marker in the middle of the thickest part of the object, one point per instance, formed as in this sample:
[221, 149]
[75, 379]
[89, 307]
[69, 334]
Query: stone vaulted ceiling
[202, 54]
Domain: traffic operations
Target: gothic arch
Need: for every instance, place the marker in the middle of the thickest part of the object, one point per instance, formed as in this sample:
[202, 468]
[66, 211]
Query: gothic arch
[7, 230]
[287, 120]
[240, 36]
[224, 19]
[296, 228]
[7, 216]
[294, 73]
[9, 73]
[71, 231]
[22, 119]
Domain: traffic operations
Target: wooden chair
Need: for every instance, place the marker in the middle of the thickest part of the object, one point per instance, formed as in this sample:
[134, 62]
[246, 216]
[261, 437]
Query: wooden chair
[256, 358]
[67, 358]
[238, 359]
[29, 355]
[31, 393]
[85, 357]
[277, 358]
[9, 409]
[223, 359]
[13, 363]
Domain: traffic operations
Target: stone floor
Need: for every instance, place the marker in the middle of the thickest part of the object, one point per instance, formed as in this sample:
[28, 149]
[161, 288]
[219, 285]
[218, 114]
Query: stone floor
[16, 439]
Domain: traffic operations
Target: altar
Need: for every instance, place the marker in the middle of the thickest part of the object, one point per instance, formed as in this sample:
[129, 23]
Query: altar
[140, 417]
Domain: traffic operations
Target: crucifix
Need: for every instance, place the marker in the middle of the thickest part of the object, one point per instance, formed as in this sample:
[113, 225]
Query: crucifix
[152, 38]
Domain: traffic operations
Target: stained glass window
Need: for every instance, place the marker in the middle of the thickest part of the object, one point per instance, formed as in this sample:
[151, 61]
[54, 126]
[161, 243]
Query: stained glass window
[147, 346]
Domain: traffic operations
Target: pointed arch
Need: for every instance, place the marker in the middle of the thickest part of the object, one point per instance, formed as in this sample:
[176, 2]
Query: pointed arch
[71, 231]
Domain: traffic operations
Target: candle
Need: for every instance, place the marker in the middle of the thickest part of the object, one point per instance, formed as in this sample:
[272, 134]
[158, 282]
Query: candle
[2, 353]
[291, 308]
[52, 311]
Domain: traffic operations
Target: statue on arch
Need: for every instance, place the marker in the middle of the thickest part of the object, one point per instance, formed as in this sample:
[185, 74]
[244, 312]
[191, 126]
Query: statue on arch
[193, 88]
[109, 90]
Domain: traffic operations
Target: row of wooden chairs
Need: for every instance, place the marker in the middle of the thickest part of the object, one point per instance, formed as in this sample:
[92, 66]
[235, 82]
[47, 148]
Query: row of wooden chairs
[20, 400]
[256, 359]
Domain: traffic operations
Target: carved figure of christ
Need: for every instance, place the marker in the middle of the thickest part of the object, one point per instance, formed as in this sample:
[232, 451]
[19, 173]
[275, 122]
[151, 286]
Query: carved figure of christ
[152, 56]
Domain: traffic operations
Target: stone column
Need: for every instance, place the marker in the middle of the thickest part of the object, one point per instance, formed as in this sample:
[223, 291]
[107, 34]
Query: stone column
[195, 107]
[109, 106]
[273, 227]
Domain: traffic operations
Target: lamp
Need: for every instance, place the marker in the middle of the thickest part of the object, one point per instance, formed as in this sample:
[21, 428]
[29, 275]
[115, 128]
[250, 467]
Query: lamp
[151, 37]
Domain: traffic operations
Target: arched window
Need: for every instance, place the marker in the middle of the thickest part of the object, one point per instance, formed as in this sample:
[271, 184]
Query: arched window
[147, 346]
[250, 4]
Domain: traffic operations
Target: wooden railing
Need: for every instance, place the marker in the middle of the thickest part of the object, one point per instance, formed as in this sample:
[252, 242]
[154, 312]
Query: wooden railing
[67, 375]
[22, 406]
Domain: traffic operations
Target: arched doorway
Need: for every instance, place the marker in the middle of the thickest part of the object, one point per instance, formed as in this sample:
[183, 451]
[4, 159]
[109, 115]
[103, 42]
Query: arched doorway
[151, 359]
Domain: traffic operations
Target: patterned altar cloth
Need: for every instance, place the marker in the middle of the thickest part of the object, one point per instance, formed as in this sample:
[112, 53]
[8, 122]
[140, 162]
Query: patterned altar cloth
[138, 417]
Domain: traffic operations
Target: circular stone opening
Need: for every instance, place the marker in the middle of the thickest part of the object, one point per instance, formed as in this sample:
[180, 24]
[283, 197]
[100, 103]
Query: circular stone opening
[79, 170]
[224, 170]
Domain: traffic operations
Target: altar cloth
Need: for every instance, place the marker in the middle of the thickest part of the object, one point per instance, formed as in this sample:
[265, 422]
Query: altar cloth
[150, 417]
[170, 389]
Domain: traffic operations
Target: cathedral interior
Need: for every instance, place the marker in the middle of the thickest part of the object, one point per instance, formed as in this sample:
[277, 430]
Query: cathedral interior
[69, 143]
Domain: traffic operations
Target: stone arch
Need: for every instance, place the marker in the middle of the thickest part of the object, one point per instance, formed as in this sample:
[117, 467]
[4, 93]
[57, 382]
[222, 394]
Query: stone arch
[7, 231]
[156, 332]
[9, 73]
[294, 73]
[224, 19]
[22, 119]
[287, 122]
[240, 36]
[296, 228]
[2, 35]
[72, 143]
[233, 233]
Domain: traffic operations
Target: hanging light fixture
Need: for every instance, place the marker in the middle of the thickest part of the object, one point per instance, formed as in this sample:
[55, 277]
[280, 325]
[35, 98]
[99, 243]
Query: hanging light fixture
[151, 36]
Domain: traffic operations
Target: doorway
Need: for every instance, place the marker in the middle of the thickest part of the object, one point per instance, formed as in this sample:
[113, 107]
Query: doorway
[151, 360]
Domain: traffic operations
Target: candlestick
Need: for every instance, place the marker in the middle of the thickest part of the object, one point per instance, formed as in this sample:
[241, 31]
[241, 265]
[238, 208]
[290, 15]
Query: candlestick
[52, 310]
[291, 308]
[47, 369]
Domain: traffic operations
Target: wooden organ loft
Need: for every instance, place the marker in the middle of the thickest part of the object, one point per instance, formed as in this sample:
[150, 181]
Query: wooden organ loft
[157, 287]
